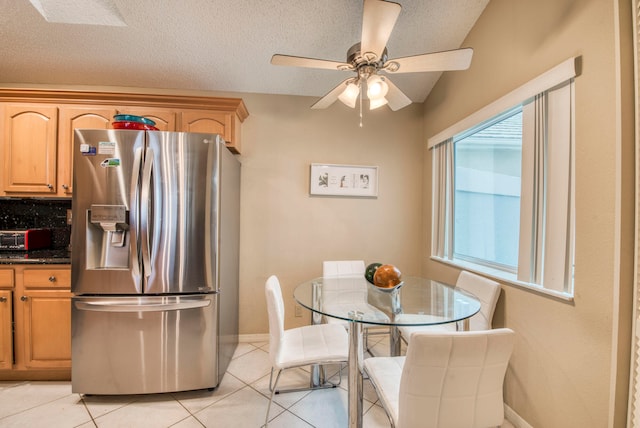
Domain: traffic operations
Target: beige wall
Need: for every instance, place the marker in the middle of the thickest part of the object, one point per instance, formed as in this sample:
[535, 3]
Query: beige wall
[568, 365]
[286, 232]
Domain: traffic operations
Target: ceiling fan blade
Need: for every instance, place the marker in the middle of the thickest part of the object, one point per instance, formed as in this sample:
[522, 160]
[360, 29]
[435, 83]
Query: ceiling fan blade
[395, 97]
[332, 96]
[298, 61]
[458, 59]
[378, 20]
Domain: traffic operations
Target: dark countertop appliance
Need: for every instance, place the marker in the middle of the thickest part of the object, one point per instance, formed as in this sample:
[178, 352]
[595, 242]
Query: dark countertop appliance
[24, 240]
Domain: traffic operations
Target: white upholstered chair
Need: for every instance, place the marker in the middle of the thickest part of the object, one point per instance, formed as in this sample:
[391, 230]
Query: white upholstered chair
[343, 268]
[446, 380]
[351, 269]
[340, 269]
[302, 346]
[486, 290]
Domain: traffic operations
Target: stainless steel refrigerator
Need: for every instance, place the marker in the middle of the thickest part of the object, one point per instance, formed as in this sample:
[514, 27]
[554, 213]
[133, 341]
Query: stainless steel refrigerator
[155, 240]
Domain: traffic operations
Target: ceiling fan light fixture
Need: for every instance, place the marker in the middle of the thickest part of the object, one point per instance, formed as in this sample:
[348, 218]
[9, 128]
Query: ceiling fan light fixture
[350, 95]
[376, 87]
[374, 103]
[369, 57]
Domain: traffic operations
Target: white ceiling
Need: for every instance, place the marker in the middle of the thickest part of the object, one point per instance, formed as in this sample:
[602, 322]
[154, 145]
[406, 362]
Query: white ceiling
[220, 45]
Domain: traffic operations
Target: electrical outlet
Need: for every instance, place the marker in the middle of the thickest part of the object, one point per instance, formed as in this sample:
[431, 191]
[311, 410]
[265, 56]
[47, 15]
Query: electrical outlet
[298, 311]
[68, 217]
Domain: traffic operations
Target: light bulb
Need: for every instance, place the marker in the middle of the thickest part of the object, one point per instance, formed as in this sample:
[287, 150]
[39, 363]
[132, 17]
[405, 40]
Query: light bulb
[350, 95]
[376, 87]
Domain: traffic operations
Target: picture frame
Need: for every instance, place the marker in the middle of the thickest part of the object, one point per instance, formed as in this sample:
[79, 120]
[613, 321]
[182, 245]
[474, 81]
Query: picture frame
[343, 180]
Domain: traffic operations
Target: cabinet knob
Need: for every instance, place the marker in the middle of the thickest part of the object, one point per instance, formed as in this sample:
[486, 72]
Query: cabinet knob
[3, 299]
[52, 278]
[49, 186]
[65, 187]
[24, 298]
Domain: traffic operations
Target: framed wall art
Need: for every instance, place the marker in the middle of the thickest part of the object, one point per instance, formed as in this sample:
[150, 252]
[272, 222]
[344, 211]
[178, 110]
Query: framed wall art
[343, 180]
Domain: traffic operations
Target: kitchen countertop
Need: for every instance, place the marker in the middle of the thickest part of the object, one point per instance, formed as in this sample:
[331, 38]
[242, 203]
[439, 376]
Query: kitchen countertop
[56, 256]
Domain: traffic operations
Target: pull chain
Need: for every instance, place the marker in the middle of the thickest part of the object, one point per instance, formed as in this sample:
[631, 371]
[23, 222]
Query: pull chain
[360, 93]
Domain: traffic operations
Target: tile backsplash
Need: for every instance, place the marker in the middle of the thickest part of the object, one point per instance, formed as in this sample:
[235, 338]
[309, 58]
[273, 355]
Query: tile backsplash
[29, 213]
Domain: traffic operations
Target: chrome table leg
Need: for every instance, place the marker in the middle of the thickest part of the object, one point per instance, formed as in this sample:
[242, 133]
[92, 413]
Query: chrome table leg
[355, 374]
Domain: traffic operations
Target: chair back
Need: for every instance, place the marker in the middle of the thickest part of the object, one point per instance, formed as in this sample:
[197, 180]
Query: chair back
[275, 310]
[343, 268]
[487, 291]
[454, 379]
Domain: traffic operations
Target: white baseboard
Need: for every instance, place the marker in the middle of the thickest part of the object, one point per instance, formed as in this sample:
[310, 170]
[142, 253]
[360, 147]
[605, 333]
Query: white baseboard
[250, 338]
[515, 418]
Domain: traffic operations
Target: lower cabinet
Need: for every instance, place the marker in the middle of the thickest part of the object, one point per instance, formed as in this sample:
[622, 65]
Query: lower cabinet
[6, 330]
[39, 315]
[46, 328]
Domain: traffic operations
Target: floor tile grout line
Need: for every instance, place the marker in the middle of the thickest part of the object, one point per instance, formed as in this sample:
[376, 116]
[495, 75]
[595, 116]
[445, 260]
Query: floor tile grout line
[267, 396]
[35, 406]
[284, 409]
[295, 415]
[173, 394]
[188, 417]
[86, 408]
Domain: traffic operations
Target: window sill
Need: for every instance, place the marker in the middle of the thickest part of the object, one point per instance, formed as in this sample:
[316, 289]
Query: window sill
[504, 277]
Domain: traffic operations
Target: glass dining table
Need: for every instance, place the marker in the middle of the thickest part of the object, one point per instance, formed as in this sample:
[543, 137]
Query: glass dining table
[414, 302]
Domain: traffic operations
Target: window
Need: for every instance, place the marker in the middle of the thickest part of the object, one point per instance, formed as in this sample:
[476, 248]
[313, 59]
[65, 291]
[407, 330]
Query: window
[487, 162]
[503, 191]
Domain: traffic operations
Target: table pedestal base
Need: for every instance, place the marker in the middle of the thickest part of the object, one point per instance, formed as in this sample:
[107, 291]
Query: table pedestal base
[355, 374]
[317, 380]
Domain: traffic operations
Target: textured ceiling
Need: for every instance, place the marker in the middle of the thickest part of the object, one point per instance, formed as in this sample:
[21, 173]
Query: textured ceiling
[220, 45]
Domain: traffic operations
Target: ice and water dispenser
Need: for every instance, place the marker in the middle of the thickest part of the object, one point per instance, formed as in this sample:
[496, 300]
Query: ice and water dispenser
[107, 237]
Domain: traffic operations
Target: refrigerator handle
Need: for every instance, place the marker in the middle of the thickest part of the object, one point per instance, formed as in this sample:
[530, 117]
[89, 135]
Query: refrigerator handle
[135, 191]
[137, 307]
[144, 211]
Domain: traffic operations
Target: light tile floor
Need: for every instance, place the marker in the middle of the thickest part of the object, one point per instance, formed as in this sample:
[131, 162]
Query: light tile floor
[239, 401]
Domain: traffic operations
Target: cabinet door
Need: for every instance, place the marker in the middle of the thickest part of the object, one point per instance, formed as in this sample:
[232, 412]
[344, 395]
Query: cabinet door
[204, 121]
[6, 329]
[223, 123]
[47, 328]
[165, 119]
[91, 117]
[30, 139]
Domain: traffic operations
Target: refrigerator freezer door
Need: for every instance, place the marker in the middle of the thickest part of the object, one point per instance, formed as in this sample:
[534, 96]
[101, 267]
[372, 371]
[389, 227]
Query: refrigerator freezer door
[140, 345]
[106, 165]
[179, 224]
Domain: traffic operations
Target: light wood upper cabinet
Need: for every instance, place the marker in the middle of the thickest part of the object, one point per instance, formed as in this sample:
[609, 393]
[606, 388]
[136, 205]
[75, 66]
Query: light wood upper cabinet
[165, 119]
[202, 121]
[36, 130]
[30, 146]
[223, 123]
[91, 117]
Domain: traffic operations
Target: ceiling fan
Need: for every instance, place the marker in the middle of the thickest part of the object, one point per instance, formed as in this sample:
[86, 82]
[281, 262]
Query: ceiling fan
[369, 57]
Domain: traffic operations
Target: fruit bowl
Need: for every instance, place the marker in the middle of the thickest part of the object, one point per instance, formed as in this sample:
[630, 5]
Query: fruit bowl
[133, 125]
[387, 277]
[391, 289]
[133, 118]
